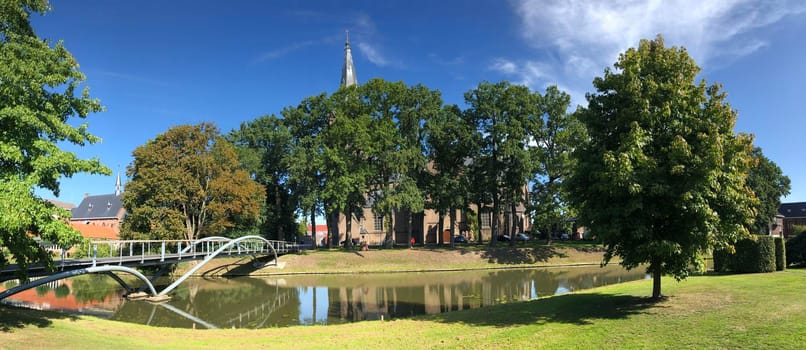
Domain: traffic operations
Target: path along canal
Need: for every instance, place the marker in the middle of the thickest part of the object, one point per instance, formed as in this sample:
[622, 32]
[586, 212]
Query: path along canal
[248, 302]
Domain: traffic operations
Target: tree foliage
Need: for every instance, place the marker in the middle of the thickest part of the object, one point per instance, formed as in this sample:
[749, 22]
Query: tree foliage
[188, 183]
[507, 117]
[769, 184]
[307, 122]
[560, 134]
[661, 179]
[346, 163]
[40, 91]
[263, 147]
[397, 156]
[451, 141]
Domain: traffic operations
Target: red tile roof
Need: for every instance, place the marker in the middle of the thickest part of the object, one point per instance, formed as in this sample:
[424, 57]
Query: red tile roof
[95, 232]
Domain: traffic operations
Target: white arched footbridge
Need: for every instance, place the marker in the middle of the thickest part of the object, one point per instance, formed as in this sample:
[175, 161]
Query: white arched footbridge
[125, 254]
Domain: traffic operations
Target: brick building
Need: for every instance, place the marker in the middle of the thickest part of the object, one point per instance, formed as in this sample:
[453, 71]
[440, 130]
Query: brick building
[99, 216]
[794, 214]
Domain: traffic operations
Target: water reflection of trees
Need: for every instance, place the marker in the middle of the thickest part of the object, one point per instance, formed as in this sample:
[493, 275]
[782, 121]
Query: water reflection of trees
[94, 288]
[256, 303]
[430, 294]
[239, 303]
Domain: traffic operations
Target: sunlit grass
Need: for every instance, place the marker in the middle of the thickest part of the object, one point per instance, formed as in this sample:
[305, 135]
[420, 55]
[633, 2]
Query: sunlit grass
[729, 311]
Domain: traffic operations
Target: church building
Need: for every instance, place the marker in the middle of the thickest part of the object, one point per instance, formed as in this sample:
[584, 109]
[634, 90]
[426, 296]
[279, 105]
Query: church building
[99, 216]
[371, 229]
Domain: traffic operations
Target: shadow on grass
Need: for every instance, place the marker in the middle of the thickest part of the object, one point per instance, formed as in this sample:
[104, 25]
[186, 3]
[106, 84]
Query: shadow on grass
[515, 255]
[578, 309]
[241, 267]
[17, 318]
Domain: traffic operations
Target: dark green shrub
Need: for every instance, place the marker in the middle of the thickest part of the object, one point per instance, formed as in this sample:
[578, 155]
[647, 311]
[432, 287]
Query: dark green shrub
[780, 254]
[86, 250]
[744, 260]
[796, 250]
[753, 254]
[721, 260]
[766, 254]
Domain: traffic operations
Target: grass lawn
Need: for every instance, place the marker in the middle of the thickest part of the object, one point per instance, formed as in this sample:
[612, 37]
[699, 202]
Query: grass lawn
[732, 311]
[418, 259]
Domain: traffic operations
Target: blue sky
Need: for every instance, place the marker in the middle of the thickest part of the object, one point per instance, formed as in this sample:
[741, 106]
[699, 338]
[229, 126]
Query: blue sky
[156, 64]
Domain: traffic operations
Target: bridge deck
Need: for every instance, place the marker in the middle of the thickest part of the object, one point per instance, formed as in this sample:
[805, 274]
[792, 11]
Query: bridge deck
[169, 252]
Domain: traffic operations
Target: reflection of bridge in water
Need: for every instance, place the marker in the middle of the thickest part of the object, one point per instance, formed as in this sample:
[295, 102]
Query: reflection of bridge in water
[262, 312]
[253, 317]
[142, 253]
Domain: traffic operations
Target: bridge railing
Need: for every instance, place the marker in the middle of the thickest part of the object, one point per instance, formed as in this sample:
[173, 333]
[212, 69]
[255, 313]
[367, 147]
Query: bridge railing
[178, 249]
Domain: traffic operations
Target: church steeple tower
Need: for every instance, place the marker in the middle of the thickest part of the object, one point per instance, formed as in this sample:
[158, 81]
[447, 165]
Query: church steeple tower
[348, 77]
[117, 186]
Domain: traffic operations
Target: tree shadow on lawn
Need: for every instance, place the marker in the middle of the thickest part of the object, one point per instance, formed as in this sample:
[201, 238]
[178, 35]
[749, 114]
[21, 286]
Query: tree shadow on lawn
[17, 317]
[515, 255]
[578, 309]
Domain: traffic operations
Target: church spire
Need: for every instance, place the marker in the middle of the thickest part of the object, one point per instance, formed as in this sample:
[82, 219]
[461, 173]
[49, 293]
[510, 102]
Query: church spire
[348, 77]
[117, 186]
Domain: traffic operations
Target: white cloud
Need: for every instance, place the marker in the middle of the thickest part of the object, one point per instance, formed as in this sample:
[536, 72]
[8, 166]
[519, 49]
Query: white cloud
[455, 61]
[131, 77]
[536, 75]
[504, 66]
[282, 51]
[372, 54]
[587, 36]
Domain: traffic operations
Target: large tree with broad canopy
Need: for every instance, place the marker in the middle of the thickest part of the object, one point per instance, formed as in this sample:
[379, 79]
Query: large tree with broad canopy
[40, 93]
[661, 178]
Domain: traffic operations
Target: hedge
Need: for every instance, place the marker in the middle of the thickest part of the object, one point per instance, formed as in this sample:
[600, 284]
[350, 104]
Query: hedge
[754, 254]
[721, 260]
[796, 250]
[780, 254]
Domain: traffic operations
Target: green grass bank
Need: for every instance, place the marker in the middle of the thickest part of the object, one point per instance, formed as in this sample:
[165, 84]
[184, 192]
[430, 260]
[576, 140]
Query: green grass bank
[467, 257]
[752, 311]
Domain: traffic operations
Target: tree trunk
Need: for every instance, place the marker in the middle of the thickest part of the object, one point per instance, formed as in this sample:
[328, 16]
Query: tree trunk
[453, 225]
[549, 232]
[512, 220]
[478, 222]
[278, 212]
[656, 275]
[411, 223]
[494, 224]
[313, 227]
[329, 225]
[333, 229]
[348, 215]
[391, 229]
[440, 228]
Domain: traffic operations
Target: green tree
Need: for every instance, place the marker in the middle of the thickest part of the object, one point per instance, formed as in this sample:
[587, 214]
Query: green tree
[39, 93]
[661, 179]
[451, 141]
[389, 158]
[769, 184]
[560, 134]
[188, 183]
[307, 122]
[397, 155]
[346, 151]
[507, 118]
[263, 147]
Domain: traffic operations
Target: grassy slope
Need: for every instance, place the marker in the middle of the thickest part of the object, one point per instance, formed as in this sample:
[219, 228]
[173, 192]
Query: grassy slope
[418, 259]
[736, 311]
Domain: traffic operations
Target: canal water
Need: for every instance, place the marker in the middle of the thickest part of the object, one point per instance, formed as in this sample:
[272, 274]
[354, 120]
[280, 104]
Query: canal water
[246, 302]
